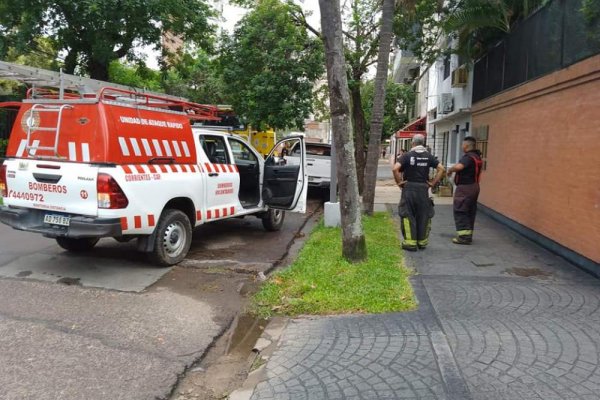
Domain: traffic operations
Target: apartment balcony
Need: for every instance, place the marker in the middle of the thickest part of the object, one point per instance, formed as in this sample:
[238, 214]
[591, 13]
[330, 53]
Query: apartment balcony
[406, 66]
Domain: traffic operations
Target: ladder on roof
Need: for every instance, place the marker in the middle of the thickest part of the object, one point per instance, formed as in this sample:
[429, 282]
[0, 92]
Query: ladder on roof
[38, 77]
[33, 147]
[76, 88]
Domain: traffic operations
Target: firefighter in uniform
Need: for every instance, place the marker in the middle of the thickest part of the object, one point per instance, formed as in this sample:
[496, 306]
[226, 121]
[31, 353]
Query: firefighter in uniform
[411, 172]
[468, 171]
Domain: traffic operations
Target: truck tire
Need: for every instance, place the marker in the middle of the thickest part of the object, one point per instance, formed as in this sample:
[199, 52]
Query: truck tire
[273, 220]
[76, 245]
[173, 238]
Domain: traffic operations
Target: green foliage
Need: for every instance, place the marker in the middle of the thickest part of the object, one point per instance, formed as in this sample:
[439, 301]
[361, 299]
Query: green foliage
[270, 65]
[321, 282]
[399, 99]
[197, 77]
[138, 76]
[93, 33]
[591, 15]
[475, 23]
[361, 42]
[321, 103]
[3, 145]
[42, 54]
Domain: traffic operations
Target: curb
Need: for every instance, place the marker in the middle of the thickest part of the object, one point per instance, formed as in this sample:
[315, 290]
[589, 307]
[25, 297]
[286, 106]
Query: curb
[264, 348]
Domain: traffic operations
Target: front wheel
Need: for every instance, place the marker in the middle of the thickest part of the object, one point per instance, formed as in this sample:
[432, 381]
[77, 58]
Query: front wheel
[173, 238]
[273, 220]
[76, 245]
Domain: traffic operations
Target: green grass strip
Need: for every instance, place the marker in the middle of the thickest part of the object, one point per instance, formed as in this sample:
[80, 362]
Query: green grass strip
[321, 282]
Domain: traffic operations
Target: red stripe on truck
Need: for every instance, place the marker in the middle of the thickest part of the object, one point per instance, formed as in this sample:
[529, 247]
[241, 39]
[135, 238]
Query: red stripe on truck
[124, 225]
[137, 221]
[151, 221]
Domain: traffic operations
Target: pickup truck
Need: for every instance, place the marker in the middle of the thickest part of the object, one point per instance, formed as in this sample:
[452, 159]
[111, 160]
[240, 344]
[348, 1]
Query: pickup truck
[318, 163]
[130, 166]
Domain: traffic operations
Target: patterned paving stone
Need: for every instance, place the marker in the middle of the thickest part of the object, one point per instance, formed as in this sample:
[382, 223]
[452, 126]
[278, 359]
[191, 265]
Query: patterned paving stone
[310, 365]
[522, 340]
[502, 319]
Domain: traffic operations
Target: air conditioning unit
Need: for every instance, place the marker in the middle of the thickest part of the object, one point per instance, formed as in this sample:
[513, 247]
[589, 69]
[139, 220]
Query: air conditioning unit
[460, 77]
[446, 103]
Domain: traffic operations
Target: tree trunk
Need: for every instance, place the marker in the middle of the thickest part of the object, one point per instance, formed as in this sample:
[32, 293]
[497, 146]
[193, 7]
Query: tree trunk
[387, 19]
[359, 123]
[71, 62]
[98, 70]
[354, 247]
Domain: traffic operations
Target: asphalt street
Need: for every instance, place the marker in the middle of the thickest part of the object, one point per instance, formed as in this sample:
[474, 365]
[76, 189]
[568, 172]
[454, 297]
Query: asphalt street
[108, 325]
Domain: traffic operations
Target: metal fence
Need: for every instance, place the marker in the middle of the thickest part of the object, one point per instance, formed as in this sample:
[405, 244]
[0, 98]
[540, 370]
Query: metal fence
[553, 38]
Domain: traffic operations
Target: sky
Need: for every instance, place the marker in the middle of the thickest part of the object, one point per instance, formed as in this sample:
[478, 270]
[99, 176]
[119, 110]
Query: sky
[232, 14]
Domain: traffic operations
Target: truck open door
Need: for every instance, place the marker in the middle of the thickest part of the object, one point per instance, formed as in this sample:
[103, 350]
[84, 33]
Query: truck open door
[285, 185]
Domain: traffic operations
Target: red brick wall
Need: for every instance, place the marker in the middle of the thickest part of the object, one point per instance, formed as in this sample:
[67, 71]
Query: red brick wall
[543, 167]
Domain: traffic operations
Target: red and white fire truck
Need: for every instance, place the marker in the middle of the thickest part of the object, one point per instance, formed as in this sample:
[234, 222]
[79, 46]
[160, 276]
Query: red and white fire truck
[126, 165]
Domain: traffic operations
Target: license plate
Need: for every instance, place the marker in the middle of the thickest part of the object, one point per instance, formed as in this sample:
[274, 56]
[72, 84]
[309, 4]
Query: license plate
[57, 219]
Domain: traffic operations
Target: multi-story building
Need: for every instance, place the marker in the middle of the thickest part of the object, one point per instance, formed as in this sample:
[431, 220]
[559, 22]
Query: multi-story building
[536, 97]
[450, 86]
[532, 103]
[443, 105]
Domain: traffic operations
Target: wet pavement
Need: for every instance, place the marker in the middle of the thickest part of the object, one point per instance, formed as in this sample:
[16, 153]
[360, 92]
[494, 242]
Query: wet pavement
[501, 319]
[108, 325]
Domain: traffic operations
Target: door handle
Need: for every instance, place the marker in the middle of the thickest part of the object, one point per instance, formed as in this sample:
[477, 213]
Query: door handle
[46, 178]
[213, 174]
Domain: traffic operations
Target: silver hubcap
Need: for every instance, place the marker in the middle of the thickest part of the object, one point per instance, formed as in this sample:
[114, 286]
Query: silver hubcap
[277, 215]
[174, 239]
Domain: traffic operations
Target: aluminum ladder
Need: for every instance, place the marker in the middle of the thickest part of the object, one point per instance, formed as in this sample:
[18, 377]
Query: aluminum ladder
[32, 147]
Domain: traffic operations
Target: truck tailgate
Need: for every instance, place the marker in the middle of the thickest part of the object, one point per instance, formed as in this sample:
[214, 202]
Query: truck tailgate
[318, 166]
[51, 185]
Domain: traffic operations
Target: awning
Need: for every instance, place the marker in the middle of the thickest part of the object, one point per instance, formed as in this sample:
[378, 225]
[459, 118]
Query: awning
[416, 127]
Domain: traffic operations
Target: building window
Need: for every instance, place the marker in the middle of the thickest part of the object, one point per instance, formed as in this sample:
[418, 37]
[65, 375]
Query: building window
[481, 134]
[446, 66]
[443, 147]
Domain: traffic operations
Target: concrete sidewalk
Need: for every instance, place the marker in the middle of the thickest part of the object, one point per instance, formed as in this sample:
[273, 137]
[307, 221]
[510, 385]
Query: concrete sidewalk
[501, 319]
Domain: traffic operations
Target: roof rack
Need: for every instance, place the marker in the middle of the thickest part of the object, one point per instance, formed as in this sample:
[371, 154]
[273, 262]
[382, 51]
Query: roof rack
[44, 85]
[42, 79]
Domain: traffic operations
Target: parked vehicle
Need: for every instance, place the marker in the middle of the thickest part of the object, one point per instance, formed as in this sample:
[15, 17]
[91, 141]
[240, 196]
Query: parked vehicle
[131, 166]
[318, 163]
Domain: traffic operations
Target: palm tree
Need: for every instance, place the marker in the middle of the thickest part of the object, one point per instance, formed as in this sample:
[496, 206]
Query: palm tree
[478, 23]
[385, 42]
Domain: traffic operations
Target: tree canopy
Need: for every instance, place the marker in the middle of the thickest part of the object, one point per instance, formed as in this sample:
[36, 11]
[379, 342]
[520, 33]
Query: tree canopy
[270, 66]
[93, 33]
[475, 24]
[399, 100]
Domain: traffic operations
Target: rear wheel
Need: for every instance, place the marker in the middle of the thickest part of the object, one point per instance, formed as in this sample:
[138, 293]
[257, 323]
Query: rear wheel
[173, 238]
[273, 220]
[76, 245]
